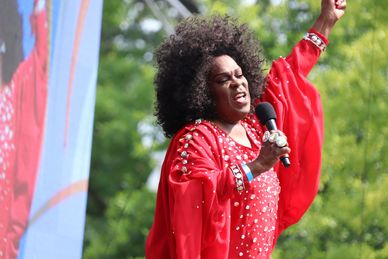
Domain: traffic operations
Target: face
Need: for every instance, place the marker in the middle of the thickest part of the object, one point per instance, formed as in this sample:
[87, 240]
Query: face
[230, 89]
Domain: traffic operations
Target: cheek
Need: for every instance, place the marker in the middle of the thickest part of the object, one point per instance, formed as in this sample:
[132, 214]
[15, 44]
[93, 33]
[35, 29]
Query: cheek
[247, 87]
[246, 83]
[220, 93]
[249, 93]
[221, 98]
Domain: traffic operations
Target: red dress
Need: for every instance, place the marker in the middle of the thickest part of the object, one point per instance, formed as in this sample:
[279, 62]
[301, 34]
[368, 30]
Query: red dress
[199, 211]
[22, 117]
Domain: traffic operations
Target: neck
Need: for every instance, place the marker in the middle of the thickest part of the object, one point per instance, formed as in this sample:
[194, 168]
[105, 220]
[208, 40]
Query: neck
[227, 126]
[236, 131]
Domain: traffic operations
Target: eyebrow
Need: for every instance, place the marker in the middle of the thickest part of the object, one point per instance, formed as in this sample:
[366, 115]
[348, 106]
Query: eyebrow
[222, 73]
[228, 72]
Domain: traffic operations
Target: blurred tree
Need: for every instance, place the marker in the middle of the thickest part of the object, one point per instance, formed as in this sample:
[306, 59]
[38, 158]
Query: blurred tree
[344, 221]
[121, 160]
[347, 220]
[120, 207]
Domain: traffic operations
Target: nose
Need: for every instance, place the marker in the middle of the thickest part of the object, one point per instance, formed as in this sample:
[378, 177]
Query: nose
[236, 82]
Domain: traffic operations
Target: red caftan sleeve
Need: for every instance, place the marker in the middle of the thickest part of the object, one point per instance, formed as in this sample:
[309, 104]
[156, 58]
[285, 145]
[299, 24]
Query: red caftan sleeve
[300, 117]
[192, 215]
[30, 82]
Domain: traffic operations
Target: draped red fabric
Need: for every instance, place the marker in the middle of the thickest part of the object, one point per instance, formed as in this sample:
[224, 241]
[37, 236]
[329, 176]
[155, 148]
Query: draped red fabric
[23, 109]
[199, 211]
[299, 110]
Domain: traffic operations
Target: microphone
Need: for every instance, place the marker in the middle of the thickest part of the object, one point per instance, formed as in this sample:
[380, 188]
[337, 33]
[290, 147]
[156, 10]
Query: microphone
[267, 116]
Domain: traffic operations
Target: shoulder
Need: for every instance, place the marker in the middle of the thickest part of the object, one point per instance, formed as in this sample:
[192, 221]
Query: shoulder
[195, 146]
[200, 129]
[200, 138]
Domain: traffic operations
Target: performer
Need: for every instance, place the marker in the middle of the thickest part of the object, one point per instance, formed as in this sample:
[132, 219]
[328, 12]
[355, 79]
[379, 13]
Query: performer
[222, 192]
[23, 98]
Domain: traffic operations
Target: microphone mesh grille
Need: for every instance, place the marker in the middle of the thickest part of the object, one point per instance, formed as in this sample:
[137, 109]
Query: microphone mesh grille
[265, 111]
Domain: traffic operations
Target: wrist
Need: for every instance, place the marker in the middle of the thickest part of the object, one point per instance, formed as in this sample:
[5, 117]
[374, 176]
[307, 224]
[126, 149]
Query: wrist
[248, 172]
[324, 25]
[39, 5]
[256, 168]
[317, 39]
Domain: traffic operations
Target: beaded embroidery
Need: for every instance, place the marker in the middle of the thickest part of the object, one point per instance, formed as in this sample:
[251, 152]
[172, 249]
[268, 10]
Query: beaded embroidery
[238, 178]
[316, 40]
[253, 211]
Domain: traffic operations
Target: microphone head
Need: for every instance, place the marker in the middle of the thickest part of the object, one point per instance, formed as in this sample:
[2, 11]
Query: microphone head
[265, 111]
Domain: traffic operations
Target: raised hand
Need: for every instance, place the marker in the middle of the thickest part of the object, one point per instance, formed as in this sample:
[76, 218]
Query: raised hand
[331, 12]
[333, 9]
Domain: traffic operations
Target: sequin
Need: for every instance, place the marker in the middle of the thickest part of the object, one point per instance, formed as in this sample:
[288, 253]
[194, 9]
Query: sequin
[7, 147]
[184, 154]
[253, 209]
[198, 121]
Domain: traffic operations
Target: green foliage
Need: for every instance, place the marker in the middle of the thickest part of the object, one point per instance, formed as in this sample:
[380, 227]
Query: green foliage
[348, 217]
[125, 227]
[121, 163]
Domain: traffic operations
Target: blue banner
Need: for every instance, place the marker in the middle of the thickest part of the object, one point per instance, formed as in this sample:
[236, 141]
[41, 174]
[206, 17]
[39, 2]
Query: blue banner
[48, 73]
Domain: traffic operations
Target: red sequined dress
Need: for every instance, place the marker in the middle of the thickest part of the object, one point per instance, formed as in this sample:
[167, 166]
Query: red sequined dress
[201, 211]
[22, 116]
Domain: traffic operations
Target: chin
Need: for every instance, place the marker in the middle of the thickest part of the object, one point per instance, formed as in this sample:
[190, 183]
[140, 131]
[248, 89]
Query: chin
[246, 110]
[241, 115]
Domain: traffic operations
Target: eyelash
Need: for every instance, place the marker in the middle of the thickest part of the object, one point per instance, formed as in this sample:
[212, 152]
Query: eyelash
[223, 81]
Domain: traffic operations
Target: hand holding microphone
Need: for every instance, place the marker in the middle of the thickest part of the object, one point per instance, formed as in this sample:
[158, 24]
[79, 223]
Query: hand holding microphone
[267, 116]
[275, 144]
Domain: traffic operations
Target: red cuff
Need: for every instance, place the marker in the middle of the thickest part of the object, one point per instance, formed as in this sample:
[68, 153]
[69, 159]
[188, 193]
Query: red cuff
[240, 178]
[325, 40]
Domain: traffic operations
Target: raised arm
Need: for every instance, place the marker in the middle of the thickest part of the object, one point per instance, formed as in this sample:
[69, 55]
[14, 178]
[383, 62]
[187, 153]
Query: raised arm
[39, 27]
[306, 53]
[331, 12]
[287, 86]
[300, 117]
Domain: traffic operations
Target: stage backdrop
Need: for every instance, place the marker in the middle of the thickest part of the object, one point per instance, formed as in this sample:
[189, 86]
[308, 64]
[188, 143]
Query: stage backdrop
[48, 71]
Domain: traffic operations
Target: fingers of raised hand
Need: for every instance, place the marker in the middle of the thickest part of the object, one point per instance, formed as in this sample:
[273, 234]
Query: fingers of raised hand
[340, 4]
